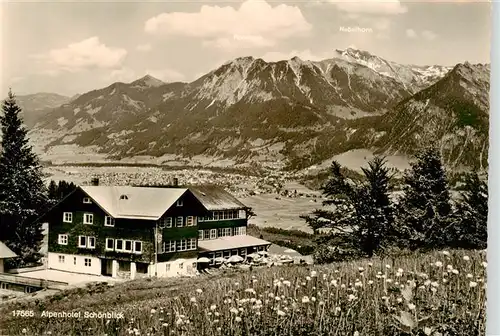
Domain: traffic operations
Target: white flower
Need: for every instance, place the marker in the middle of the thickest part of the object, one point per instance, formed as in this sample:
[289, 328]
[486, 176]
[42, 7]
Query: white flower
[305, 299]
[351, 297]
[485, 264]
[411, 306]
[213, 307]
[237, 319]
[455, 271]
[370, 282]
[438, 264]
[199, 291]
[193, 299]
[308, 278]
[446, 253]
[399, 300]
[361, 269]
[469, 276]
[153, 311]
[387, 266]
[472, 284]
[313, 273]
[370, 264]
[24, 331]
[466, 258]
[281, 313]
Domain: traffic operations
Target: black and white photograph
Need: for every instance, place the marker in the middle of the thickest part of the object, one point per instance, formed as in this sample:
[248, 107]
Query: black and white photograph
[244, 168]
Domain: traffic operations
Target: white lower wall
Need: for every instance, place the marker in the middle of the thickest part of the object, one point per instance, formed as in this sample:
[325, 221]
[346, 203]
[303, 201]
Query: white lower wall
[173, 268]
[69, 263]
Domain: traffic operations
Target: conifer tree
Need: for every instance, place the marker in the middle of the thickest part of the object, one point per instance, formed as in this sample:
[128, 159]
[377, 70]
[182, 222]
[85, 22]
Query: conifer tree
[425, 210]
[360, 216]
[471, 230]
[22, 191]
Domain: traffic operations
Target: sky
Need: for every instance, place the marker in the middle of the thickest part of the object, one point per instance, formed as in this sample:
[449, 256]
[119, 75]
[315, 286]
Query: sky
[74, 47]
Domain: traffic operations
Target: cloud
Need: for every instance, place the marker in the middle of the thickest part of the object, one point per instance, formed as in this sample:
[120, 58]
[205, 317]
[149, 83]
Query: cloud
[144, 47]
[254, 23]
[426, 34]
[166, 75]
[429, 35]
[386, 7]
[75, 57]
[411, 33]
[240, 42]
[124, 75]
[306, 55]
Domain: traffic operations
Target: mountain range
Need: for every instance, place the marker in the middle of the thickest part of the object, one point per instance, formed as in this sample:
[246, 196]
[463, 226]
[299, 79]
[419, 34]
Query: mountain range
[287, 114]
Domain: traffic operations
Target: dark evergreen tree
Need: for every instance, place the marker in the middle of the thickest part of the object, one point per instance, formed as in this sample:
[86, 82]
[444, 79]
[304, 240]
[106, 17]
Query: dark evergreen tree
[359, 216]
[471, 230]
[425, 210]
[23, 194]
[52, 190]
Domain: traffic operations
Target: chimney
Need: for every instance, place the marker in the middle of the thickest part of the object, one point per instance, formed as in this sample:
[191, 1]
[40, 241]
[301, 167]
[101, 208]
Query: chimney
[176, 182]
[95, 181]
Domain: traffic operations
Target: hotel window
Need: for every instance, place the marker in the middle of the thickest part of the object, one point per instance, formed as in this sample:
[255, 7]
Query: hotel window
[179, 203]
[169, 246]
[137, 247]
[86, 200]
[201, 219]
[213, 233]
[110, 244]
[68, 217]
[218, 255]
[166, 222]
[61, 259]
[128, 246]
[90, 242]
[200, 234]
[229, 215]
[243, 252]
[179, 222]
[212, 259]
[191, 244]
[82, 241]
[242, 214]
[88, 218]
[190, 221]
[240, 231]
[88, 262]
[109, 221]
[119, 245]
[206, 234]
[216, 215]
[63, 239]
[181, 245]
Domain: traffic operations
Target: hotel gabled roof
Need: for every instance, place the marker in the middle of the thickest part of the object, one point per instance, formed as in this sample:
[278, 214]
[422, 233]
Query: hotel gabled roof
[216, 198]
[137, 203]
[6, 252]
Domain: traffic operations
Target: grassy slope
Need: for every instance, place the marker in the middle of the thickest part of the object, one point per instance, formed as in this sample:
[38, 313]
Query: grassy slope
[342, 300]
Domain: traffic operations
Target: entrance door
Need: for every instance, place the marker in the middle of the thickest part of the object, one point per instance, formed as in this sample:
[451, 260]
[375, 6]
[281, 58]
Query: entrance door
[107, 267]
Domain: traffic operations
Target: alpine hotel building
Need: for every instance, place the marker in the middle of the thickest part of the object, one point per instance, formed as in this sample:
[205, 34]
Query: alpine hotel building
[131, 232]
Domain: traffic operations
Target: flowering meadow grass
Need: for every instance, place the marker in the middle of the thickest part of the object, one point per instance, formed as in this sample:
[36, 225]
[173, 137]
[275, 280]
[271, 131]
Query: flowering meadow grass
[438, 293]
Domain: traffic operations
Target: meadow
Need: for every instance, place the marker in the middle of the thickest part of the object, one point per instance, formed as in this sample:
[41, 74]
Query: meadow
[435, 294]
